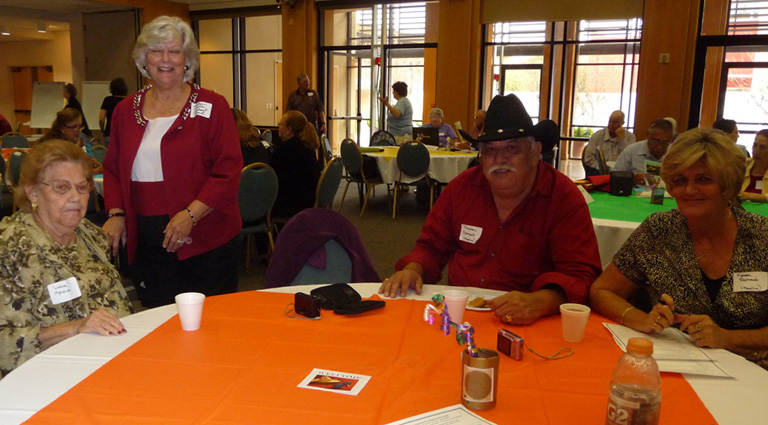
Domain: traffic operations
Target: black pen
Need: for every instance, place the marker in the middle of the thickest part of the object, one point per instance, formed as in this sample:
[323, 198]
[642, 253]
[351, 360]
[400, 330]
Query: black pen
[674, 325]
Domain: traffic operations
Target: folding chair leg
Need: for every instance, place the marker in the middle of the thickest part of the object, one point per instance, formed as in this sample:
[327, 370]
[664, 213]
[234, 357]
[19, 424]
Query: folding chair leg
[431, 196]
[394, 203]
[247, 252]
[365, 202]
[344, 196]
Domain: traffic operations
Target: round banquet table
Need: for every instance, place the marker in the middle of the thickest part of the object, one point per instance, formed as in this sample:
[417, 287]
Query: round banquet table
[443, 165]
[51, 374]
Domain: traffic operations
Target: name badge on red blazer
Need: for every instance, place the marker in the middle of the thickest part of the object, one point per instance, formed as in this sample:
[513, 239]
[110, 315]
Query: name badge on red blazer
[202, 109]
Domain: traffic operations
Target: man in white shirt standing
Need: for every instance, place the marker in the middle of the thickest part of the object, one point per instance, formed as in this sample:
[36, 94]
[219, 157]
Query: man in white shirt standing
[611, 140]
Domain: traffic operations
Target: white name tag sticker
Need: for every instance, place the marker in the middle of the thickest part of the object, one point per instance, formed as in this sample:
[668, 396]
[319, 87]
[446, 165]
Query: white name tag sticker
[759, 185]
[202, 109]
[64, 291]
[470, 233]
[750, 282]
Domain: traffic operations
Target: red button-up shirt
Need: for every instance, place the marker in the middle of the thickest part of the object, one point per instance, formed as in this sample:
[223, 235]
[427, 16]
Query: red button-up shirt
[547, 239]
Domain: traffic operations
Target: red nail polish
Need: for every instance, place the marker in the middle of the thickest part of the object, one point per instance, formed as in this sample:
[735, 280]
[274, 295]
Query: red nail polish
[111, 333]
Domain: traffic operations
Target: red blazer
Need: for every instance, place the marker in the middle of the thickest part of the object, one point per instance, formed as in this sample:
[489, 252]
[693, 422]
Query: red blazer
[201, 160]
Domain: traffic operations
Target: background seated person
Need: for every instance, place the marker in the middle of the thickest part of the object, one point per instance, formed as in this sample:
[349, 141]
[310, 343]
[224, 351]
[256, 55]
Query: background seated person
[731, 130]
[755, 185]
[444, 131]
[297, 163]
[633, 157]
[514, 224]
[68, 126]
[250, 141]
[688, 257]
[611, 140]
[48, 242]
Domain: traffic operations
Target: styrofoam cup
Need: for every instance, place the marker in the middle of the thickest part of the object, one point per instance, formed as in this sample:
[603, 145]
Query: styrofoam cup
[456, 303]
[574, 318]
[190, 307]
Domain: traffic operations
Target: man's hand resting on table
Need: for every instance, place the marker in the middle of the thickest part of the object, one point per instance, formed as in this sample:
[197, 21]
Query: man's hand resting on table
[521, 308]
[408, 277]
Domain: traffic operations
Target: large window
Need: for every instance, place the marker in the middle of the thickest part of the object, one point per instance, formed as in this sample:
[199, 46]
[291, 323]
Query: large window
[241, 59]
[363, 52]
[744, 77]
[576, 73]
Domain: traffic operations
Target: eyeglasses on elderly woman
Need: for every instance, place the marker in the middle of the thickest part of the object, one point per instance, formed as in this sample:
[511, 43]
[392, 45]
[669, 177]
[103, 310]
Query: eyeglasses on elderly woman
[63, 186]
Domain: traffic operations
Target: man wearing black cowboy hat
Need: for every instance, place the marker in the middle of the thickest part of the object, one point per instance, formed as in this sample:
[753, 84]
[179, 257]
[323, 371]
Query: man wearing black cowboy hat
[514, 224]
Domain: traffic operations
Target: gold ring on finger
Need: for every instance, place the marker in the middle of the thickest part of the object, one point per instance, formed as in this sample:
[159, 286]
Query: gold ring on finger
[508, 318]
[698, 328]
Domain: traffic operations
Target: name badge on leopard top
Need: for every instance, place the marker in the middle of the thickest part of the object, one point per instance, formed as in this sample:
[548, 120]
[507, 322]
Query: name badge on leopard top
[470, 233]
[750, 282]
[202, 109]
[64, 291]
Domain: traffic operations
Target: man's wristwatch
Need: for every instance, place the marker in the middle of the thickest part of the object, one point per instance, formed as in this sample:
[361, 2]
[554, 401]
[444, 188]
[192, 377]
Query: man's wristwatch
[117, 214]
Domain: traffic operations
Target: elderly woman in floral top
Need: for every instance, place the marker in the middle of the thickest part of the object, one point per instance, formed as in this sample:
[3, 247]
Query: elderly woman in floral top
[55, 276]
[700, 264]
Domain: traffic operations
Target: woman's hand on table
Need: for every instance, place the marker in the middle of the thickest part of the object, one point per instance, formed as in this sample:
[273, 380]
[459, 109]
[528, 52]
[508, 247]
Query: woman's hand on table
[177, 230]
[661, 316]
[101, 322]
[115, 228]
[703, 331]
[408, 277]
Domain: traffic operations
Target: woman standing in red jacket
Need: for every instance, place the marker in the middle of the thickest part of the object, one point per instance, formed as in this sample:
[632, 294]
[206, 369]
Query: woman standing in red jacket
[172, 173]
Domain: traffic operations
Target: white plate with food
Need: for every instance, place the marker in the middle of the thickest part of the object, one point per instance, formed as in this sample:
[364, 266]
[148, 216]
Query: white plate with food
[477, 303]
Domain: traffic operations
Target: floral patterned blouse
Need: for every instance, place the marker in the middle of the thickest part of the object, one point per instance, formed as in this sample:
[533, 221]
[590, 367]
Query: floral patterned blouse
[31, 261]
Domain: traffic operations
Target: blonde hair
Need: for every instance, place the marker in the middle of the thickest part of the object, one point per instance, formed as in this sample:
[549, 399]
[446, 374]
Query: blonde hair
[302, 129]
[717, 151]
[248, 135]
[164, 29]
[40, 158]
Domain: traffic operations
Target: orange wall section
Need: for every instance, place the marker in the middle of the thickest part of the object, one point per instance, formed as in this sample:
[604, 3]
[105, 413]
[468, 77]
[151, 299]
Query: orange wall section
[299, 46]
[457, 87]
[664, 90]
[151, 9]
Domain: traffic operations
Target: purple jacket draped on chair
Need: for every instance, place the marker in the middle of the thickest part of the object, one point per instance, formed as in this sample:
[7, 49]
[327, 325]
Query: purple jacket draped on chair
[302, 241]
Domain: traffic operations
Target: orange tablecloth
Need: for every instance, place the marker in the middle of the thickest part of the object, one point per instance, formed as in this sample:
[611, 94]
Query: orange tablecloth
[244, 365]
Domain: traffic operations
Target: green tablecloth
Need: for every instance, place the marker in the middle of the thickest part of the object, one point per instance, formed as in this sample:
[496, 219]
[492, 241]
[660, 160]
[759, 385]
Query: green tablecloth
[636, 209]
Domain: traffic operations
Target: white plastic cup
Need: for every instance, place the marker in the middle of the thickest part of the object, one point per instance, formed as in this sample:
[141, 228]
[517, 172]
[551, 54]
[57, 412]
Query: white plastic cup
[575, 318]
[190, 307]
[456, 303]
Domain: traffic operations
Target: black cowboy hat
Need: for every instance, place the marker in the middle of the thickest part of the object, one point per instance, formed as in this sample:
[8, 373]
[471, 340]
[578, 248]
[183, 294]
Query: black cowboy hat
[507, 119]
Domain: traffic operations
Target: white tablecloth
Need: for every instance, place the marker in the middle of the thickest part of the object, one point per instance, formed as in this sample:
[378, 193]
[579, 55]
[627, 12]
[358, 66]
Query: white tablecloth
[53, 372]
[442, 168]
[611, 235]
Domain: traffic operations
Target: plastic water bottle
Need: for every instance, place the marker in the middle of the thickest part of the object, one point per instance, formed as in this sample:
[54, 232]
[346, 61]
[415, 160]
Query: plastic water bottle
[635, 392]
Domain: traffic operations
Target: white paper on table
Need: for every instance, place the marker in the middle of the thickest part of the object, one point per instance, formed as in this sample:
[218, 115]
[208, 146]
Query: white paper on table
[673, 350]
[671, 344]
[453, 415]
[711, 368]
[587, 197]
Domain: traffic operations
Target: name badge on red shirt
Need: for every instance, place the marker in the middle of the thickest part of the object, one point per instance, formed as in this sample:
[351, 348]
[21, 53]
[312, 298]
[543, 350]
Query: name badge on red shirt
[470, 233]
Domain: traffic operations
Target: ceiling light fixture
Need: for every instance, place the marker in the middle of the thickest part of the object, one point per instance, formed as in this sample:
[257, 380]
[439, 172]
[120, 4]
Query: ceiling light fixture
[42, 27]
[4, 30]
